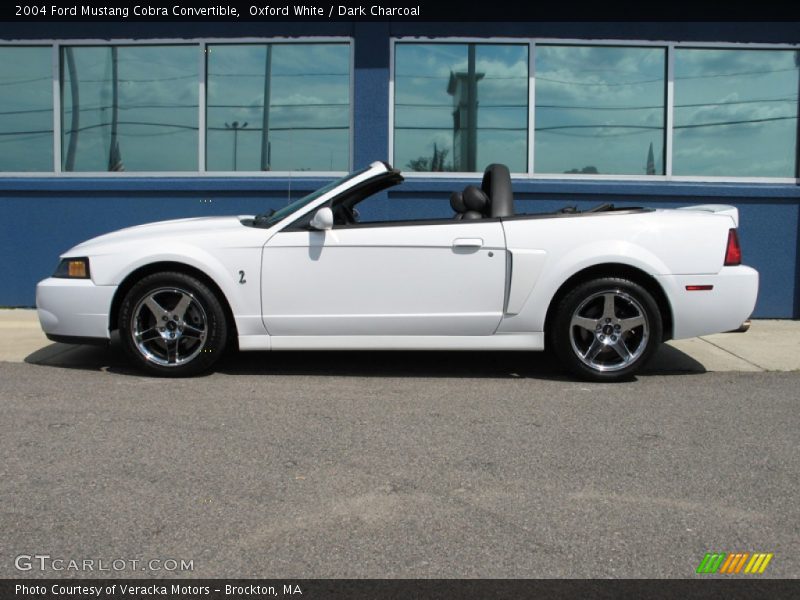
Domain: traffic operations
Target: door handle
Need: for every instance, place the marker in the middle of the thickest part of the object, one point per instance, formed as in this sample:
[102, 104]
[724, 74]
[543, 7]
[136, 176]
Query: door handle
[467, 243]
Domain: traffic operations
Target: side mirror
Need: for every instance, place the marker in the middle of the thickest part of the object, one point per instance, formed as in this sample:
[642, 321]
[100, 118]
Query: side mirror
[323, 219]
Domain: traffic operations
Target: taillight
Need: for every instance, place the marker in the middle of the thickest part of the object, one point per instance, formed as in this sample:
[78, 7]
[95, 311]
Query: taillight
[733, 253]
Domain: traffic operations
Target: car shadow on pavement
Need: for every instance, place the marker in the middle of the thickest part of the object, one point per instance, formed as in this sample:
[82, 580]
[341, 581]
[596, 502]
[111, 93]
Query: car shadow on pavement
[89, 358]
[668, 360]
[463, 364]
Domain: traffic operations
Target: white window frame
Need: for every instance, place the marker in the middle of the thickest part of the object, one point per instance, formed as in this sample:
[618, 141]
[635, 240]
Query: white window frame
[669, 48]
[201, 45]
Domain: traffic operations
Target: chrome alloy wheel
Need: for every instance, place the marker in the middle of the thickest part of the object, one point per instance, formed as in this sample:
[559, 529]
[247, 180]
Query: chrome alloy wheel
[169, 326]
[609, 330]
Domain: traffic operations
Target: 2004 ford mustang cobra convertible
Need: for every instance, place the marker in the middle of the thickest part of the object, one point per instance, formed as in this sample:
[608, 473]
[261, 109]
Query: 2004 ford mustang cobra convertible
[601, 287]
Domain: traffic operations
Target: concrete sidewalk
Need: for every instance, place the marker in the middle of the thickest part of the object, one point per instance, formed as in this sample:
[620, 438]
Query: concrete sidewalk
[769, 345]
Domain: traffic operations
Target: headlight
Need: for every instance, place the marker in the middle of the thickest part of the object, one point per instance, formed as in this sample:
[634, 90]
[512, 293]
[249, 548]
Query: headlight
[73, 268]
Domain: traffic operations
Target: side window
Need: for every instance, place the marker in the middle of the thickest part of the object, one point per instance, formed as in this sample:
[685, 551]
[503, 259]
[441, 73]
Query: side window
[395, 207]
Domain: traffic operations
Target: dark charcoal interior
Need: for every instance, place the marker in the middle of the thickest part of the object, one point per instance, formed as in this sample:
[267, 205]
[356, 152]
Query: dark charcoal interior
[495, 198]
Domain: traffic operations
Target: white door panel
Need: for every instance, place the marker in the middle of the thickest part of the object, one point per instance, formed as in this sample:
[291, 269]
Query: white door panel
[446, 279]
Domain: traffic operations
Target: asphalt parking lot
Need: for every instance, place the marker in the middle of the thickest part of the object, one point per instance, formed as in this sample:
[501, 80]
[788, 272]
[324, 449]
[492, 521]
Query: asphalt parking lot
[396, 465]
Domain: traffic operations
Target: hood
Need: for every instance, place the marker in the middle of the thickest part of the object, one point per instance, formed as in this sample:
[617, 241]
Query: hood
[169, 230]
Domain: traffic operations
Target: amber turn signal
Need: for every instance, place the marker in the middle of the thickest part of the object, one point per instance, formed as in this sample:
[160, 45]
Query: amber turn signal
[77, 268]
[73, 268]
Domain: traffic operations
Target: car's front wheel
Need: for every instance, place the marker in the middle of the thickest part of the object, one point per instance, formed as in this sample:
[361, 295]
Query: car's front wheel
[606, 329]
[172, 324]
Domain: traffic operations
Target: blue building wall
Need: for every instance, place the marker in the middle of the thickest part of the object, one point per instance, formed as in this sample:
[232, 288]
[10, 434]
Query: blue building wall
[43, 216]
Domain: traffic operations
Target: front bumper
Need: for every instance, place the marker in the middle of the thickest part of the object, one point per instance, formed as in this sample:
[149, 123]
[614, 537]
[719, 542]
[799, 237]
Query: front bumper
[723, 308]
[74, 308]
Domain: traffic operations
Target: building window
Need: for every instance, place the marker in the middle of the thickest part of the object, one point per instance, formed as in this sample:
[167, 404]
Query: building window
[26, 108]
[735, 112]
[278, 107]
[129, 108]
[600, 110]
[460, 107]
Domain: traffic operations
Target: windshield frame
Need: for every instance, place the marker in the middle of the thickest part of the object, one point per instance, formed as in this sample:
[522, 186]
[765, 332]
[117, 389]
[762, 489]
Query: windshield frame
[290, 209]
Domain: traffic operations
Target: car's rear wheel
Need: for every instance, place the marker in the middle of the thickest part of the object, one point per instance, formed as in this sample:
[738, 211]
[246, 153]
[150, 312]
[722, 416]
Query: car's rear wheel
[172, 324]
[606, 329]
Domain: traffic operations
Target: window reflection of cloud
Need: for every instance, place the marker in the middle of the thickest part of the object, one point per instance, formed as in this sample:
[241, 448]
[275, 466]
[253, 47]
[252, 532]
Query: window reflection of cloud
[26, 109]
[735, 112]
[309, 105]
[424, 108]
[599, 108]
[157, 98]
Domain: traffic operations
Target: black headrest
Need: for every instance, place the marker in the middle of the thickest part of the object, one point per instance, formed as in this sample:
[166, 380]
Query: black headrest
[475, 198]
[457, 202]
[497, 184]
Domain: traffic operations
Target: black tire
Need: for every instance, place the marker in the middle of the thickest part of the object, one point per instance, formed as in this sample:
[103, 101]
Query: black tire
[173, 325]
[598, 343]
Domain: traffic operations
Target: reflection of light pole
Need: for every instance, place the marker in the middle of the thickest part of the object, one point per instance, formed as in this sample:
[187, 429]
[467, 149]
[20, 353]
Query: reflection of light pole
[266, 159]
[114, 156]
[472, 110]
[74, 129]
[235, 127]
[463, 86]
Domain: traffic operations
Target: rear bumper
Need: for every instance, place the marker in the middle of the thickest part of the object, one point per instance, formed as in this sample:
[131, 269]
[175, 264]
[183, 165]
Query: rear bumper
[724, 307]
[74, 308]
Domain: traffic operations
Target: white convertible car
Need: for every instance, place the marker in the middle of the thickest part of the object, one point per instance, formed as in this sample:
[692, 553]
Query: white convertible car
[601, 287]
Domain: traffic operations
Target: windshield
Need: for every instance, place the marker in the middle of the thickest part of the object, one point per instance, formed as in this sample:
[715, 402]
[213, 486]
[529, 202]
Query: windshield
[269, 219]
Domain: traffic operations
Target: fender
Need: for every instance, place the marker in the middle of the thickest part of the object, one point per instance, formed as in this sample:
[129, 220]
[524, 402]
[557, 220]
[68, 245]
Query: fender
[531, 316]
[242, 293]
